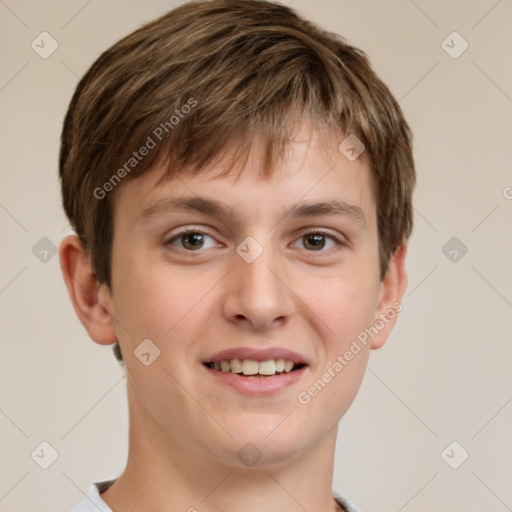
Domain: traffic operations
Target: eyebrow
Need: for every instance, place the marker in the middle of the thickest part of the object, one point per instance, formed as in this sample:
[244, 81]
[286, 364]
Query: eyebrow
[197, 204]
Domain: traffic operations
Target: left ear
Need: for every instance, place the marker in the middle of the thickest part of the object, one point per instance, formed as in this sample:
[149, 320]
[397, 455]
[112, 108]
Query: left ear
[389, 304]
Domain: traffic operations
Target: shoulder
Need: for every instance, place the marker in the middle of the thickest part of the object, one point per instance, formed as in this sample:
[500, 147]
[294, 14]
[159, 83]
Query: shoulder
[347, 505]
[92, 501]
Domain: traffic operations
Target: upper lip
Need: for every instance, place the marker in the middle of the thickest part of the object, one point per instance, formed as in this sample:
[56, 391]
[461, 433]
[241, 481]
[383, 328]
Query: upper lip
[256, 354]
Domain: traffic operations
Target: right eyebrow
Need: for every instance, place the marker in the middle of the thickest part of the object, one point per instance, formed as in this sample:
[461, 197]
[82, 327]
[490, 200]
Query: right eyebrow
[187, 204]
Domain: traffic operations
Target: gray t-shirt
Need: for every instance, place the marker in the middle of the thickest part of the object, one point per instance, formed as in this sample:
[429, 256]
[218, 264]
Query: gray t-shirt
[92, 501]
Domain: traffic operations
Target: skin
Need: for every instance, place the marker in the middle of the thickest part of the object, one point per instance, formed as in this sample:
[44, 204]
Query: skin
[185, 427]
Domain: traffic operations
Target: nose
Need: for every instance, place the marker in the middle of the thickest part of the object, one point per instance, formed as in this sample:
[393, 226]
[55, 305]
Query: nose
[258, 296]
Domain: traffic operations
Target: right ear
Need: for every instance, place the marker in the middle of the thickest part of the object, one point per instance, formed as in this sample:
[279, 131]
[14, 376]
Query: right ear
[91, 299]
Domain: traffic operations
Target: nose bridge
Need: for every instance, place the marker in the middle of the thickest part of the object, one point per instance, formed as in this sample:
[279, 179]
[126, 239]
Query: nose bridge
[257, 293]
[256, 273]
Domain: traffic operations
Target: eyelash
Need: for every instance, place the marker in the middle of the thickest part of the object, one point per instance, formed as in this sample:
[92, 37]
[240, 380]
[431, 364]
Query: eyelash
[338, 241]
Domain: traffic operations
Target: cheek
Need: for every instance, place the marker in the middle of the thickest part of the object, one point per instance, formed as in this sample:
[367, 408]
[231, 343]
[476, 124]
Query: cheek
[344, 304]
[161, 305]
[345, 309]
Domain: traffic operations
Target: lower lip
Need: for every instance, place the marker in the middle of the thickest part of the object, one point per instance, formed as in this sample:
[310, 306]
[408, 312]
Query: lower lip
[256, 384]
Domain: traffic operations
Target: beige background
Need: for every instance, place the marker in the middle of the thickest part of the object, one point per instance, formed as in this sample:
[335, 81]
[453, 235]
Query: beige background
[445, 374]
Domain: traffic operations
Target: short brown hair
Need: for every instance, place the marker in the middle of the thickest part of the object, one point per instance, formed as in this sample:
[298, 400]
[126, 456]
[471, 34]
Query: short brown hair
[241, 67]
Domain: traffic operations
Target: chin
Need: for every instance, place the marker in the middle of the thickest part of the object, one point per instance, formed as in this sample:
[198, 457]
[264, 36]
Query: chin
[262, 441]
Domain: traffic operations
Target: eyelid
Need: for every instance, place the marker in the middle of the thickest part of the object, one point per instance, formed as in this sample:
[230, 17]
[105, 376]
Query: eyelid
[190, 229]
[339, 240]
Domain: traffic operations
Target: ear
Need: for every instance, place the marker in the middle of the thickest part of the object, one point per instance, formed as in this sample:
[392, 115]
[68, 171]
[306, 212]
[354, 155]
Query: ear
[91, 299]
[389, 304]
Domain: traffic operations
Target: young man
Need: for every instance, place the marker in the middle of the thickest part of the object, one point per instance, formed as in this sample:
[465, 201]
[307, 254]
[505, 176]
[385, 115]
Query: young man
[240, 184]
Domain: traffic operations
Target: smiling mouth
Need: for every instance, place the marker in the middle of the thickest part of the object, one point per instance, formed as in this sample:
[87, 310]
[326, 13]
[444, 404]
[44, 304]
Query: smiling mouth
[250, 367]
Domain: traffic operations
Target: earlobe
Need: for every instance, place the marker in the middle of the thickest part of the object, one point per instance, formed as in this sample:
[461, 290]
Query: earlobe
[389, 303]
[91, 299]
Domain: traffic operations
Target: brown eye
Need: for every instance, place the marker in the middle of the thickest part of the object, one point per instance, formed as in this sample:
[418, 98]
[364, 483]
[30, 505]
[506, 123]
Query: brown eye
[314, 241]
[318, 241]
[191, 240]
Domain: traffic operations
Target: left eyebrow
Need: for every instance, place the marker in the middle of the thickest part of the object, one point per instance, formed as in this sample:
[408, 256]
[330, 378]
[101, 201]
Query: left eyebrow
[196, 204]
[333, 207]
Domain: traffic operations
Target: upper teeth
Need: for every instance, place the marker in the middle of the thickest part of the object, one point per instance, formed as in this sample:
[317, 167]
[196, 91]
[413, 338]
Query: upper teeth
[251, 367]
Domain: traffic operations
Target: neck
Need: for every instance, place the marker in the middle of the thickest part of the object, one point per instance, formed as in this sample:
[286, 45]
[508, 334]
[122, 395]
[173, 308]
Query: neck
[167, 474]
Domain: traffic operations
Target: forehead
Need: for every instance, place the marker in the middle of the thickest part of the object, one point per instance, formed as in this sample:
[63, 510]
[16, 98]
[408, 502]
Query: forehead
[311, 171]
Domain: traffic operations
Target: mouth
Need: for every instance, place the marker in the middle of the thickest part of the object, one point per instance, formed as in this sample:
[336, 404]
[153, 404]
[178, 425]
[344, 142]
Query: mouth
[256, 372]
[251, 367]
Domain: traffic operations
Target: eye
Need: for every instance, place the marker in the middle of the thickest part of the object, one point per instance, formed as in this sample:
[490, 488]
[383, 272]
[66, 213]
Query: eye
[315, 241]
[194, 239]
[191, 240]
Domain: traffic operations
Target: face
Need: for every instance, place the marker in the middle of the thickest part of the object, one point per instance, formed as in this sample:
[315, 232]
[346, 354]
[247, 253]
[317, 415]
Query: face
[252, 269]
